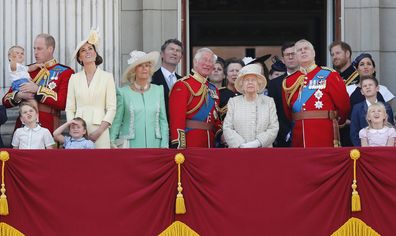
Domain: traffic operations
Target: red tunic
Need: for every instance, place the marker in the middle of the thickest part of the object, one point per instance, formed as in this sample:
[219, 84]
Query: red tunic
[52, 92]
[187, 97]
[313, 132]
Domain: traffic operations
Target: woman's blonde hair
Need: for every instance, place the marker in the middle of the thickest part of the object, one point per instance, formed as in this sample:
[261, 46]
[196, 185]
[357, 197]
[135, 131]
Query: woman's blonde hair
[381, 106]
[130, 75]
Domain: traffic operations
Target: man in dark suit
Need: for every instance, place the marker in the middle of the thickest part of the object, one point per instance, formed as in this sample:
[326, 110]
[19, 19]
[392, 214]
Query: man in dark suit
[3, 119]
[171, 53]
[275, 91]
[341, 54]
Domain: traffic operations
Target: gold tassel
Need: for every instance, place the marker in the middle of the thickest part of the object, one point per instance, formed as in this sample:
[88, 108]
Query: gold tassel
[8, 230]
[180, 206]
[356, 206]
[4, 156]
[355, 226]
[178, 228]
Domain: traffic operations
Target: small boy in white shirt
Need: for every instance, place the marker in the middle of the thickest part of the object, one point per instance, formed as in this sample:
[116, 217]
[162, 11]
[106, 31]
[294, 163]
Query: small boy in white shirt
[19, 73]
[32, 135]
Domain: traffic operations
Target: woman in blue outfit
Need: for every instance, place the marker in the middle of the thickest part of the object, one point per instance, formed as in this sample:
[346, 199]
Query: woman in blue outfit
[140, 121]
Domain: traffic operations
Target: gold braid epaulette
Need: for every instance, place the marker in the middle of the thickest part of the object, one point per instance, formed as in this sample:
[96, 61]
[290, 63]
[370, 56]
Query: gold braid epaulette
[351, 78]
[223, 110]
[44, 72]
[203, 92]
[328, 68]
[290, 91]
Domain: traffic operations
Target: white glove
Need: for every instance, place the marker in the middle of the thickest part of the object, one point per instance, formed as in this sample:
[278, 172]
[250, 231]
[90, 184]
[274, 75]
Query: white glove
[253, 144]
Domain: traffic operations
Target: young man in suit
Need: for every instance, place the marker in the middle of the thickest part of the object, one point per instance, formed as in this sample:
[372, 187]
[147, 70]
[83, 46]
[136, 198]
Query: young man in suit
[275, 91]
[171, 54]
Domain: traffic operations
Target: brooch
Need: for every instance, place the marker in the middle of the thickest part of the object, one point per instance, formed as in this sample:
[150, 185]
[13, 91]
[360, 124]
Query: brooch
[318, 104]
[52, 85]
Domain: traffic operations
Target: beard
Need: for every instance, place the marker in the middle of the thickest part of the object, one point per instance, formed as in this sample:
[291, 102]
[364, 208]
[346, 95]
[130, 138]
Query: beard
[339, 64]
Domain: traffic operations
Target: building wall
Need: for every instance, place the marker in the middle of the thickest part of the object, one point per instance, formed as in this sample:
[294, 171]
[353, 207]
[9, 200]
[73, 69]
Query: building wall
[370, 27]
[69, 21]
[387, 12]
[146, 24]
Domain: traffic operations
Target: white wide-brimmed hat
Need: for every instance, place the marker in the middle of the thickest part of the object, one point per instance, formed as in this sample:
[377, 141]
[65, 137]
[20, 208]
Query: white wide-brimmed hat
[252, 69]
[93, 39]
[137, 58]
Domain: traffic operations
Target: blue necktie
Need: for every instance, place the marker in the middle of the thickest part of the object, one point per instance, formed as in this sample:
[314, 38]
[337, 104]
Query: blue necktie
[171, 80]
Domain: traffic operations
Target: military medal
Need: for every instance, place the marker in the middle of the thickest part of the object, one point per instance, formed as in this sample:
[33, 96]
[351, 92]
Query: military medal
[318, 95]
[213, 94]
[55, 77]
[52, 85]
[322, 84]
[318, 104]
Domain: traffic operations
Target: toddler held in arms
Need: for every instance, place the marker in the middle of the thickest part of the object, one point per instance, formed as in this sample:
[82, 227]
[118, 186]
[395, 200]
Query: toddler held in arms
[19, 73]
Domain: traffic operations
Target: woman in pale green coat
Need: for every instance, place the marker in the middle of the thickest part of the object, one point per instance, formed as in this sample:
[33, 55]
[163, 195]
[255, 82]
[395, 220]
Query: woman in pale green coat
[140, 121]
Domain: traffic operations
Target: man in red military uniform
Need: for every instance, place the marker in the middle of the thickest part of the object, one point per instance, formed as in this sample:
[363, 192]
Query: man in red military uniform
[48, 86]
[193, 105]
[315, 100]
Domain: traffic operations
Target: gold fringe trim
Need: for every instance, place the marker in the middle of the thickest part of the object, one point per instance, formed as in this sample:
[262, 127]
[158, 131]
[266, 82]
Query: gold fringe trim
[351, 78]
[44, 72]
[178, 228]
[203, 92]
[8, 230]
[356, 206]
[355, 227]
[180, 205]
[4, 156]
[290, 91]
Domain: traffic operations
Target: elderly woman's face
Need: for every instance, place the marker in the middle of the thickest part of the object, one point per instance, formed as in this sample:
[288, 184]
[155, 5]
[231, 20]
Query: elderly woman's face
[232, 72]
[365, 67]
[250, 84]
[142, 71]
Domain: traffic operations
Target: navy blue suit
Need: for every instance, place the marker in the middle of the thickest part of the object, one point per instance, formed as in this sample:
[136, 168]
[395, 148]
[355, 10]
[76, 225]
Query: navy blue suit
[275, 91]
[159, 79]
[3, 119]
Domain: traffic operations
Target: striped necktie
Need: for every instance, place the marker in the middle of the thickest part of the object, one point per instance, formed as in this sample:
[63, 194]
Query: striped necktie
[171, 80]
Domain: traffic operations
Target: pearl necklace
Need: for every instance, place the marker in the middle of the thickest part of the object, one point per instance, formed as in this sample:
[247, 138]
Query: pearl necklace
[140, 88]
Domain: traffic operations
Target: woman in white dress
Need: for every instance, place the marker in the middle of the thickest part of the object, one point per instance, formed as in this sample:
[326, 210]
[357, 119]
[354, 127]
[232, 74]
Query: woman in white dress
[251, 120]
[91, 93]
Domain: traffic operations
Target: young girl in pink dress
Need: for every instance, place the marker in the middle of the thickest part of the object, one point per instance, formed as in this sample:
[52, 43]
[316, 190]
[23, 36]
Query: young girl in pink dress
[379, 132]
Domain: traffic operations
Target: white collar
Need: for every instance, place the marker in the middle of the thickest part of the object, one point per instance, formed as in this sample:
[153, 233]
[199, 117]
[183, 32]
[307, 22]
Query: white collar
[369, 103]
[76, 140]
[166, 72]
[37, 128]
[378, 131]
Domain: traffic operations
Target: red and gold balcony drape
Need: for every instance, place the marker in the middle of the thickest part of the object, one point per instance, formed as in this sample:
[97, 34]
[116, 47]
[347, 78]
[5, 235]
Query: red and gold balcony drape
[226, 191]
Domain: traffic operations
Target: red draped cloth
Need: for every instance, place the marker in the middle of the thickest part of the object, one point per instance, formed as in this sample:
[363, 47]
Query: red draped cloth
[227, 191]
